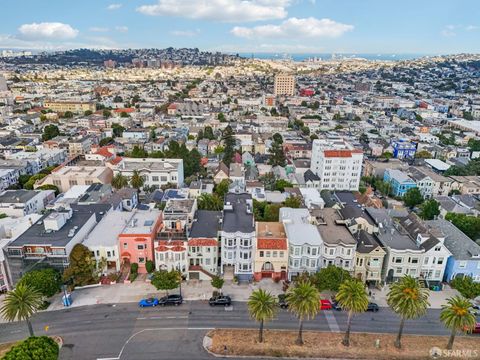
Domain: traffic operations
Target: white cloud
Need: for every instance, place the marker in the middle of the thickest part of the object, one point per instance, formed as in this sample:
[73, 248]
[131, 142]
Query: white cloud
[471, 27]
[219, 10]
[186, 33]
[98, 29]
[121, 28]
[295, 28]
[47, 30]
[114, 6]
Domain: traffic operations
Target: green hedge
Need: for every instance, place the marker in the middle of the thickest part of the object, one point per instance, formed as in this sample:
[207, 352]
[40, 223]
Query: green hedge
[34, 348]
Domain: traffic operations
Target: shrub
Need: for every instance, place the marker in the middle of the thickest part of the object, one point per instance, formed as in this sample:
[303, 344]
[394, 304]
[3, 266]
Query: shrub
[48, 281]
[149, 266]
[113, 276]
[42, 347]
[134, 268]
[132, 276]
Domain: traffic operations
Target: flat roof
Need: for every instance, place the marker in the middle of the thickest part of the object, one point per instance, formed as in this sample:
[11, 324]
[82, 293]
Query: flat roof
[142, 222]
[107, 230]
[36, 234]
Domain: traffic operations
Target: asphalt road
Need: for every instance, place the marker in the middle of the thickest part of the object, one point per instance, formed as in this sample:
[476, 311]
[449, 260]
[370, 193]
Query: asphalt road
[125, 331]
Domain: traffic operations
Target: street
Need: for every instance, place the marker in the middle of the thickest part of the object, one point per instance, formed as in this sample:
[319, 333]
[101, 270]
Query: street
[126, 331]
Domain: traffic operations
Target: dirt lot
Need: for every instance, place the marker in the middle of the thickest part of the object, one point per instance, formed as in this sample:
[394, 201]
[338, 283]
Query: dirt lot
[328, 345]
[4, 348]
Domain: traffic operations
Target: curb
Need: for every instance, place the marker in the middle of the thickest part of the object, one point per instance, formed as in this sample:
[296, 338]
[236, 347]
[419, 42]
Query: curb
[207, 343]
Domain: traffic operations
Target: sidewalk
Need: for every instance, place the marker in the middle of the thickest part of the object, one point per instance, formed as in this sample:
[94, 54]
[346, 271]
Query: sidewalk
[134, 292]
[436, 298]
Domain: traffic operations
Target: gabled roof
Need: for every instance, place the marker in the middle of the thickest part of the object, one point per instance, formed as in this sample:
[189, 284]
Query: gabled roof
[310, 176]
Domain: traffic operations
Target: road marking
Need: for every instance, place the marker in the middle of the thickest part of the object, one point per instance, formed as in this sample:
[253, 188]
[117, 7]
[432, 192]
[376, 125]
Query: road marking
[154, 329]
[141, 318]
[162, 317]
[332, 322]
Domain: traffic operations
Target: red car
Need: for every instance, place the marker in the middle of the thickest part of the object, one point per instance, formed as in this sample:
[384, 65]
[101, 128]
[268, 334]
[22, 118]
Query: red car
[476, 329]
[325, 304]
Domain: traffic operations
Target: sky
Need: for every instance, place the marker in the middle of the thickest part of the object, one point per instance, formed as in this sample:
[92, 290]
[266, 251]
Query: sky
[281, 26]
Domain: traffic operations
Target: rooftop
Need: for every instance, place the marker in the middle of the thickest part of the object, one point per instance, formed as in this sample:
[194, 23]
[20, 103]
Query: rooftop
[206, 224]
[17, 196]
[142, 222]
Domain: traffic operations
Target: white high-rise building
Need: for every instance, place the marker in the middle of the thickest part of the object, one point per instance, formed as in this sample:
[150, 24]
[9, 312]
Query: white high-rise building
[337, 163]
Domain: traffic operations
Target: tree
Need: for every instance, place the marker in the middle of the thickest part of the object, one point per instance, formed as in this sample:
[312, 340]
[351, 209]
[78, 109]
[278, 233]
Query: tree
[277, 138]
[469, 225]
[20, 304]
[81, 270]
[166, 280]
[42, 347]
[221, 117]
[124, 114]
[277, 157]
[352, 297]
[387, 155]
[408, 300]
[138, 152]
[303, 301]
[217, 282]
[119, 181]
[221, 189]
[430, 209]
[88, 112]
[49, 132]
[106, 113]
[466, 286]
[105, 141]
[293, 202]
[47, 281]
[208, 133]
[149, 266]
[210, 202]
[330, 278]
[413, 197]
[137, 180]
[457, 316]
[68, 115]
[423, 154]
[117, 130]
[281, 184]
[262, 307]
[229, 142]
[49, 187]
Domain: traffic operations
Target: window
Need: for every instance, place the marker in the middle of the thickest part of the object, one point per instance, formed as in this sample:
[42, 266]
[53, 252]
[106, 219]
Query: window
[437, 273]
[141, 260]
[98, 252]
[88, 182]
[113, 252]
[296, 263]
[125, 245]
[207, 261]
[462, 264]
[397, 260]
[261, 253]
[414, 260]
[413, 272]
[73, 182]
[440, 261]
[57, 183]
[275, 254]
[332, 251]
[140, 247]
[438, 248]
[398, 270]
[163, 178]
[160, 256]
[349, 252]
[297, 251]
[155, 178]
[109, 254]
[314, 251]
[268, 253]
[282, 254]
[426, 260]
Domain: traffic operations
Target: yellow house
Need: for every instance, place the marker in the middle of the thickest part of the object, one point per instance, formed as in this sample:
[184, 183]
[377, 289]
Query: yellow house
[271, 255]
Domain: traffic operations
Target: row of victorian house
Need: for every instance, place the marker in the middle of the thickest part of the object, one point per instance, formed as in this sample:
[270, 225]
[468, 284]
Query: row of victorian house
[374, 245]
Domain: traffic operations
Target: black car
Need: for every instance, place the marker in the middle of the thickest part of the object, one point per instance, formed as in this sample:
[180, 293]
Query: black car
[223, 300]
[373, 307]
[336, 306]
[170, 300]
[282, 301]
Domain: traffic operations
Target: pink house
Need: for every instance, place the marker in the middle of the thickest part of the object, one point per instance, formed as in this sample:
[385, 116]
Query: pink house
[136, 239]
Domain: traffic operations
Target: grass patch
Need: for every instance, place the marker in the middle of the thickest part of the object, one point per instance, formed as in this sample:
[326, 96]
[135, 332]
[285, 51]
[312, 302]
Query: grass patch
[277, 343]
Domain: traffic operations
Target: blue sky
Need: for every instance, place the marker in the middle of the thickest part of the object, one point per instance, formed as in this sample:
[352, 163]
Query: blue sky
[293, 26]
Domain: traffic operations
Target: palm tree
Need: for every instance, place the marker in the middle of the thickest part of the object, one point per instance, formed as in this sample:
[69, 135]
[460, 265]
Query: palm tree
[137, 180]
[262, 307]
[20, 304]
[303, 300]
[457, 315]
[352, 296]
[409, 300]
[119, 181]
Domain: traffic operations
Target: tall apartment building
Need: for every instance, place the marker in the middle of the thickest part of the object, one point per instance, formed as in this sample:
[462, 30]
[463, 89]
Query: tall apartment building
[284, 85]
[337, 163]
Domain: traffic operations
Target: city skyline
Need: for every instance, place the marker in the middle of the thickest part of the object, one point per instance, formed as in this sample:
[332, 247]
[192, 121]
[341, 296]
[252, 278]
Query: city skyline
[259, 26]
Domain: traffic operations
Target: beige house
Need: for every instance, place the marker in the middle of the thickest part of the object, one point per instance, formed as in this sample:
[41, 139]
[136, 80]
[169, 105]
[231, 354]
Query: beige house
[221, 173]
[65, 177]
[271, 254]
[369, 258]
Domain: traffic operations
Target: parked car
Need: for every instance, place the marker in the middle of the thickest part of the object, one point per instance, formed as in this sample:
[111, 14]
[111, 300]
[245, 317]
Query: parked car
[171, 300]
[476, 329]
[223, 300]
[336, 306]
[325, 304]
[372, 307]
[282, 301]
[148, 302]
